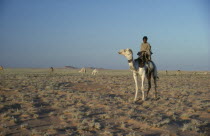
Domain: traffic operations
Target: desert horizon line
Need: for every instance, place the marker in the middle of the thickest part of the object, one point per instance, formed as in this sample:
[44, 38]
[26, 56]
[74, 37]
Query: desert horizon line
[65, 67]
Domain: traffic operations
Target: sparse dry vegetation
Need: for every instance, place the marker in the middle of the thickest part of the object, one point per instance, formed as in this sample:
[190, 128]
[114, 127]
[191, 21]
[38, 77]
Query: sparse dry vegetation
[34, 102]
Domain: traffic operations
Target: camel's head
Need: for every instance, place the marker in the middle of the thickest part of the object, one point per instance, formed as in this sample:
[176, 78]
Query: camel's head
[128, 53]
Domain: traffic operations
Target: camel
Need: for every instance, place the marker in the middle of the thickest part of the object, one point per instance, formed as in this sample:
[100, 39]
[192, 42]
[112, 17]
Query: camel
[51, 69]
[166, 72]
[139, 67]
[178, 72]
[200, 73]
[205, 73]
[1, 68]
[83, 70]
[95, 71]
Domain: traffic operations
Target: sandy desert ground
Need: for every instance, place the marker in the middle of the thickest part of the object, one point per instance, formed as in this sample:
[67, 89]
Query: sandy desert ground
[37, 102]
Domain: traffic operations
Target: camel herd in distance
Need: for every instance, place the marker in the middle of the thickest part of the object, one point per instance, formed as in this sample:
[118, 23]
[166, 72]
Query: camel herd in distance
[95, 71]
[82, 71]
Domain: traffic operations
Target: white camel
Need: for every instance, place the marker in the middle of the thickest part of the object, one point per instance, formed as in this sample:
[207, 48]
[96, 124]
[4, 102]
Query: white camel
[95, 71]
[138, 67]
[83, 70]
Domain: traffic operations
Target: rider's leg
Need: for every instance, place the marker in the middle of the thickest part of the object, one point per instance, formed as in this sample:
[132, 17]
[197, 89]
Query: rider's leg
[148, 59]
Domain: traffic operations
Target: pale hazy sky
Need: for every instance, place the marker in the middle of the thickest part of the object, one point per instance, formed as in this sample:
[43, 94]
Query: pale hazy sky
[58, 33]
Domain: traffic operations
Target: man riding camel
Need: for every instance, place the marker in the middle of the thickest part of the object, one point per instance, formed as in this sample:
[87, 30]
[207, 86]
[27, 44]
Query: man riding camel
[145, 52]
[145, 49]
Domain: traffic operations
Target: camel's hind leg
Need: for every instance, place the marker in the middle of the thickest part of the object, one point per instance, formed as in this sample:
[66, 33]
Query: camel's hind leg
[155, 83]
[155, 76]
[149, 83]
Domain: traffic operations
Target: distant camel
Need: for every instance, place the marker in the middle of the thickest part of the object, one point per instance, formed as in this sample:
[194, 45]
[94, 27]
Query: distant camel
[1, 68]
[200, 73]
[139, 67]
[166, 72]
[51, 69]
[95, 71]
[83, 70]
[178, 72]
[205, 73]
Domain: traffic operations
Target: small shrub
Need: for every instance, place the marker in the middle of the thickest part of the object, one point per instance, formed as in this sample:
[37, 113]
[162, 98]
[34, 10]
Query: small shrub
[123, 125]
[97, 125]
[187, 126]
[24, 126]
[35, 132]
[36, 116]
[131, 134]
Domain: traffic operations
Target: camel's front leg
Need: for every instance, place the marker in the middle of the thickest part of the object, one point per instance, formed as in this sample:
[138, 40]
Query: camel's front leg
[142, 86]
[136, 84]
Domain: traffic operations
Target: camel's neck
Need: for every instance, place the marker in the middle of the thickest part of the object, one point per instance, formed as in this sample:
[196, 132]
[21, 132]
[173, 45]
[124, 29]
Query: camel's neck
[131, 64]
